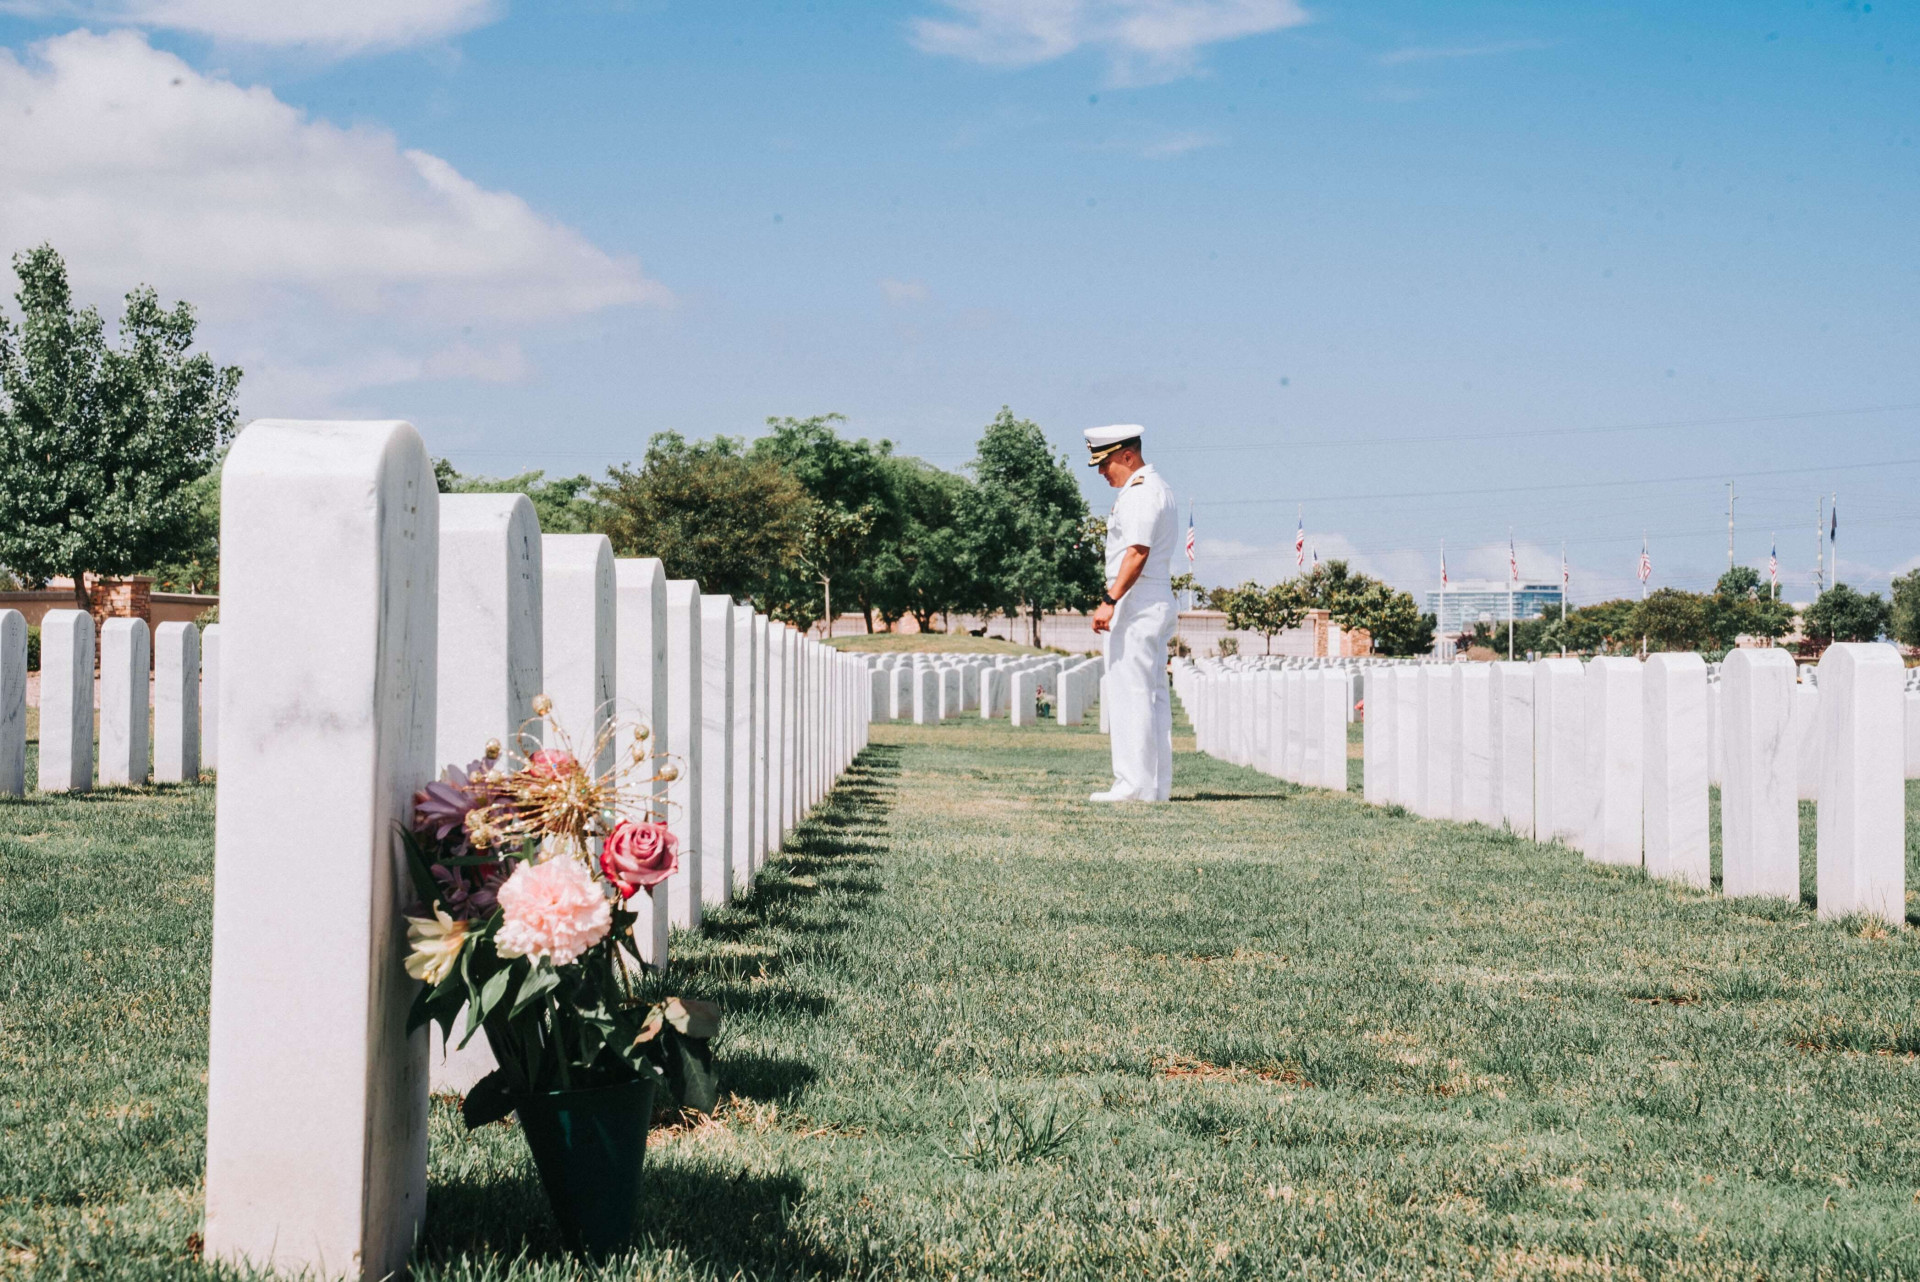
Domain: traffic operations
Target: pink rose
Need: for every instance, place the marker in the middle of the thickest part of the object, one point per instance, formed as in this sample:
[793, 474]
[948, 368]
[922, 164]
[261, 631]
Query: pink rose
[552, 909]
[637, 855]
[552, 763]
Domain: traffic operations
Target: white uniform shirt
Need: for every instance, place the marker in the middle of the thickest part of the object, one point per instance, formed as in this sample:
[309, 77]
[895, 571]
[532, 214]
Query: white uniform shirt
[1144, 514]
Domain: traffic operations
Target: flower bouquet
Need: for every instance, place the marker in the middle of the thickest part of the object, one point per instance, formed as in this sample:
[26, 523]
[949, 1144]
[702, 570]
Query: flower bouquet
[524, 866]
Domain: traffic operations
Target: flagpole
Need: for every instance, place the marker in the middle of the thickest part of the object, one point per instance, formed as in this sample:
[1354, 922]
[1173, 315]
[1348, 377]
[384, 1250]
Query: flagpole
[1513, 568]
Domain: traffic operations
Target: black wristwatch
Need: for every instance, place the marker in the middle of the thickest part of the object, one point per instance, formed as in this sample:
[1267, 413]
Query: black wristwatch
[1107, 599]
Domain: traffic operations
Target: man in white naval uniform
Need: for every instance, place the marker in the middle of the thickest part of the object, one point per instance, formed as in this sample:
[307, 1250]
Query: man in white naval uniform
[1137, 614]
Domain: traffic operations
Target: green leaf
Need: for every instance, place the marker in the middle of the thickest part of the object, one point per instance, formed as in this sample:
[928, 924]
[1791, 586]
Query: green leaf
[491, 994]
[691, 1077]
[419, 867]
[490, 1100]
[693, 1018]
[542, 979]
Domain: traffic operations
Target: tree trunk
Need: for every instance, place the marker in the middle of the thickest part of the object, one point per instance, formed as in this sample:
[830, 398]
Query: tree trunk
[866, 613]
[1033, 619]
[826, 589]
[81, 601]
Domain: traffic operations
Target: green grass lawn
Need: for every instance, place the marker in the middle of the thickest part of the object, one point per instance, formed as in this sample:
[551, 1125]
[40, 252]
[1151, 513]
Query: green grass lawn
[980, 1027]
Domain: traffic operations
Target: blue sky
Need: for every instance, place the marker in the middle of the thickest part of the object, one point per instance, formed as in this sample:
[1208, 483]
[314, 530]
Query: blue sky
[1399, 268]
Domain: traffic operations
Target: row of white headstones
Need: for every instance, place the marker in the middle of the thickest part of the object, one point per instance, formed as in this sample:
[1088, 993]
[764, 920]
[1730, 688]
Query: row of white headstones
[926, 688]
[1616, 756]
[162, 735]
[444, 617]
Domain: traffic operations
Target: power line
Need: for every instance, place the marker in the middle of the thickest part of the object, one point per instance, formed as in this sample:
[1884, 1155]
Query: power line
[1571, 485]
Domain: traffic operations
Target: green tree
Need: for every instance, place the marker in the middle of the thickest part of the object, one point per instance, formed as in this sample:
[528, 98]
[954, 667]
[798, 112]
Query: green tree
[1671, 619]
[1266, 610]
[929, 568]
[1399, 630]
[710, 512]
[100, 445]
[848, 481]
[1842, 614]
[195, 565]
[565, 505]
[1906, 609]
[1028, 528]
[1741, 605]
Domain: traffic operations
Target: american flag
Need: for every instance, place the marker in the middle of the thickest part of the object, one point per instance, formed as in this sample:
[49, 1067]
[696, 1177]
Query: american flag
[1566, 579]
[1513, 560]
[1316, 556]
[1646, 562]
[1773, 564]
[1300, 541]
[1189, 535]
[1443, 567]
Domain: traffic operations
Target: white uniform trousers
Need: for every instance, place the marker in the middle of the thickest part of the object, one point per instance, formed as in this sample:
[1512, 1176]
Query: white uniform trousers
[1140, 715]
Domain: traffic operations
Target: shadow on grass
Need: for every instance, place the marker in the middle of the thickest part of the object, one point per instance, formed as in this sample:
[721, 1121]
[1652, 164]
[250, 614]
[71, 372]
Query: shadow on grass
[734, 1222]
[1239, 796]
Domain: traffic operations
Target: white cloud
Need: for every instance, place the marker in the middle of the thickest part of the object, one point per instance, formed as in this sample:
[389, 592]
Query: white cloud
[1438, 53]
[140, 169]
[1172, 145]
[1145, 40]
[325, 26]
[904, 291]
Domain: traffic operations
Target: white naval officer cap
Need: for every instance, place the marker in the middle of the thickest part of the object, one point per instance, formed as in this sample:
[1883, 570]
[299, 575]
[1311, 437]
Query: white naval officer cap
[1103, 441]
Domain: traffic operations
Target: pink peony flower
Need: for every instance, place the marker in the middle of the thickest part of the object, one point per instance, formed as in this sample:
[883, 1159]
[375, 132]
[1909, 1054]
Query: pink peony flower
[639, 855]
[552, 763]
[552, 909]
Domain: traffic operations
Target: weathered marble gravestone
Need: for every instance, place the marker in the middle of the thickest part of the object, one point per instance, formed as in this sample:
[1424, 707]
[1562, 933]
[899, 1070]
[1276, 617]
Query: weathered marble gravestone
[766, 815]
[577, 640]
[1436, 695]
[1473, 722]
[1023, 709]
[66, 701]
[1510, 745]
[1860, 865]
[716, 749]
[685, 721]
[900, 694]
[746, 710]
[1409, 737]
[176, 705]
[1335, 706]
[1615, 748]
[642, 683]
[1376, 730]
[126, 659]
[882, 682]
[1559, 751]
[1759, 812]
[316, 1150]
[926, 696]
[1311, 731]
[951, 704]
[210, 697]
[491, 627]
[1298, 717]
[1809, 741]
[13, 703]
[1676, 769]
[993, 692]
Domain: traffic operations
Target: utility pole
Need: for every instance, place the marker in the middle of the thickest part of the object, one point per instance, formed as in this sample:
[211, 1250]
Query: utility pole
[1820, 545]
[1729, 525]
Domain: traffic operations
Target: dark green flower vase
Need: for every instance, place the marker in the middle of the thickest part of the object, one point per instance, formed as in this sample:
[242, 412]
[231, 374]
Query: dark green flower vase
[588, 1146]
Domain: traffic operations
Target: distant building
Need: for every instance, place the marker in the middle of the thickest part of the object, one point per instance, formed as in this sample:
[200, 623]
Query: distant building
[1464, 604]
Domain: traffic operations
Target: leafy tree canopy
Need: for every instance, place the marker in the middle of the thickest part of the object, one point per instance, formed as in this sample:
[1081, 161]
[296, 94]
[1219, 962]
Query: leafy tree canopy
[709, 511]
[1906, 609]
[1034, 537]
[1842, 614]
[100, 444]
[565, 505]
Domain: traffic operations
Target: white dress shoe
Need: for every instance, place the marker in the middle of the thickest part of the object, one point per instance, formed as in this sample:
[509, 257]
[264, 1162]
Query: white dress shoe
[1111, 795]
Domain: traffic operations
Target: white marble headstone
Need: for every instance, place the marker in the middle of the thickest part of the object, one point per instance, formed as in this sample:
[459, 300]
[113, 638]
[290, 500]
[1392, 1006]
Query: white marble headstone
[66, 701]
[1861, 862]
[126, 659]
[13, 703]
[176, 703]
[316, 1149]
[1676, 769]
[1759, 812]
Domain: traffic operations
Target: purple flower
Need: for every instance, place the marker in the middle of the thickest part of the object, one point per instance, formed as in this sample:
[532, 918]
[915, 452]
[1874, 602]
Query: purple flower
[440, 810]
[467, 893]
